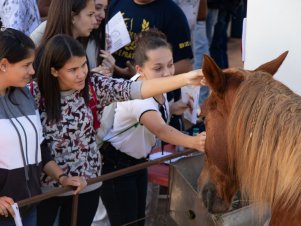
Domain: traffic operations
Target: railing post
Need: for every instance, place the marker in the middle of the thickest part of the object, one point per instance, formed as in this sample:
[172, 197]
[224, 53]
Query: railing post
[74, 210]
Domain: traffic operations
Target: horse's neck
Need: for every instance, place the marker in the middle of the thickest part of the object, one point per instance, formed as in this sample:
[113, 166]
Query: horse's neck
[285, 218]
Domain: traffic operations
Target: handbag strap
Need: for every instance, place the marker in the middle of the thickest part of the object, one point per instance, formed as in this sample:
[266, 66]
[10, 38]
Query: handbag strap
[121, 132]
[93, 106]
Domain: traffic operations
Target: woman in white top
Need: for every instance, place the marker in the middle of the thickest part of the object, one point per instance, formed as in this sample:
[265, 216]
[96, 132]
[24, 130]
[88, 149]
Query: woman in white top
[137, 123]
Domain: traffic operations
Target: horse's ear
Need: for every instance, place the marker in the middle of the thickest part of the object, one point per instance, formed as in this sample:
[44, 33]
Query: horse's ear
[215, 77]
[273, 66]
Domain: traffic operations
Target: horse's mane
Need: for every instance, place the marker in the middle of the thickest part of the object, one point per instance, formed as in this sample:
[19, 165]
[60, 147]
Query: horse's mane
[264, 138]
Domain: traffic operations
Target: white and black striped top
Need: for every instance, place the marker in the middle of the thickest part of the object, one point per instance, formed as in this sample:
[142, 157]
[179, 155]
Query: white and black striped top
[20, 146]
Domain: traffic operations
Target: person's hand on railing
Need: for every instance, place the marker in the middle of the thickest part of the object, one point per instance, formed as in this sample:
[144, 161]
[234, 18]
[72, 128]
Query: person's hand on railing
[78, 182]
[5, 206]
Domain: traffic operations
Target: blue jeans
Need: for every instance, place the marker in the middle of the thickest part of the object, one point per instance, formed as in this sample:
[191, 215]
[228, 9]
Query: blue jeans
[29, 219]
[210, 23]
[204, 93]
[218, 48]
[201, 46]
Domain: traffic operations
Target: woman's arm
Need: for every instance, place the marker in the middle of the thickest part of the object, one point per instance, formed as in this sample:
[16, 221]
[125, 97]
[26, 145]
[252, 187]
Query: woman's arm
[54, 171]
[110, 90]
[153, 121]
[157, 86]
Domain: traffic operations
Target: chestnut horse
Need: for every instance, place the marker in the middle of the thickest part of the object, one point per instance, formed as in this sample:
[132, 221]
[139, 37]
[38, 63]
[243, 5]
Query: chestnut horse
[253, 126]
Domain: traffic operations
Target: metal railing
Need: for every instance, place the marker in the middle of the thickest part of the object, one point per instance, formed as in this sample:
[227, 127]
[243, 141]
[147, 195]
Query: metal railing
[104, 177]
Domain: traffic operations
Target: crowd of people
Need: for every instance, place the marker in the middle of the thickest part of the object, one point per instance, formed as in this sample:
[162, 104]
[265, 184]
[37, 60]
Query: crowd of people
[60, 125]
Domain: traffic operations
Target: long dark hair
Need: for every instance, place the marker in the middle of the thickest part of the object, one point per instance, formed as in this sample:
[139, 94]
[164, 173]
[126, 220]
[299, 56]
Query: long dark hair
[59, 20]
[15, 46]
[98, 36]
[56, 52]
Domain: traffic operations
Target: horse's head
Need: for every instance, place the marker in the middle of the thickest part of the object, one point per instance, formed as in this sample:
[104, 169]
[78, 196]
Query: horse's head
[218, 181]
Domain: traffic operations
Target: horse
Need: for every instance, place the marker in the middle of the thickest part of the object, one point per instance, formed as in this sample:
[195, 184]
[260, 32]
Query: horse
[253, 144]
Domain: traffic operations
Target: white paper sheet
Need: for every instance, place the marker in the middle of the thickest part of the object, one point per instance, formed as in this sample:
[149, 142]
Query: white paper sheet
[118, 33]
[17, 217]
[165, 153]
[194, 92]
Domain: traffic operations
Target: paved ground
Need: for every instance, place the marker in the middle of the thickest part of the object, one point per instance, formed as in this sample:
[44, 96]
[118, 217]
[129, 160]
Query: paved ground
[162, 217]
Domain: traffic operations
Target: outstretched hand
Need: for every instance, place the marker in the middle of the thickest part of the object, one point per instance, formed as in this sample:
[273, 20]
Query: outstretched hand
[77, 182]
[5, 206]
[196, 77]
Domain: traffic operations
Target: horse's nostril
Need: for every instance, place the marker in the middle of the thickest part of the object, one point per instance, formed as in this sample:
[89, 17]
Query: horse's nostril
[207, 196]
[209, 200]
[212, 201]
[191, 214]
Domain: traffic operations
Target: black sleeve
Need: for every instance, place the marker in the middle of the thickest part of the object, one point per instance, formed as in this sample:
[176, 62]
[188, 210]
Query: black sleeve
[46, 153]
[178, 33]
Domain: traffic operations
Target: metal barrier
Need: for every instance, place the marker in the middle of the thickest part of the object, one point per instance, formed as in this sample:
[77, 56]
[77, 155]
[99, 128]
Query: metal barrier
[104, 177]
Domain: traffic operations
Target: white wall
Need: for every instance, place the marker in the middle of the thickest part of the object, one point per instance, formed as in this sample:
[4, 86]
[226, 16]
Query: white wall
[272, 27]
